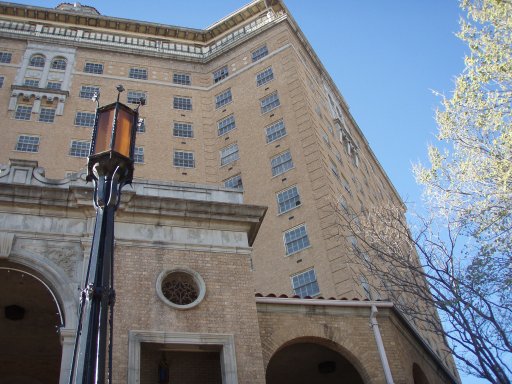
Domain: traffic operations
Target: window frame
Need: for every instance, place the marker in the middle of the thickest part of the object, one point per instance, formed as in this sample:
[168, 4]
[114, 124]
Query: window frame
[24, 147]
[27, 111]
[259, 53]
[284, 203]
[45, 117]
[269, 102]
[239, 184]
[54, 85]
[225, 124]
[87, 91]
[35, 61]
[133, 96]
[94, 68]
[229, 157]
[59, 64]
[299, 240]
[299, 289]
[279, 167]
[90, 115]
[141, 125]
[178, 76]
[138, 155]
[181, 128]
[262, 78]
[75, 143]
[220, 74]
[5, 57]
[223, 98]
[138, 73]
[183, 160]
[270, 137]
[30, 82]
[182, 101]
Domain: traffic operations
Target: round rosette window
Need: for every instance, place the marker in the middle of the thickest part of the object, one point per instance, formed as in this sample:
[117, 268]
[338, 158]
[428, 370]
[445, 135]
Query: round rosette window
[180, 288]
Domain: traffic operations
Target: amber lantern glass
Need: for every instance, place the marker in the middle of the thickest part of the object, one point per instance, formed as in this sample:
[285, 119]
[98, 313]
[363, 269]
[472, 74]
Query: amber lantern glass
[124, 126]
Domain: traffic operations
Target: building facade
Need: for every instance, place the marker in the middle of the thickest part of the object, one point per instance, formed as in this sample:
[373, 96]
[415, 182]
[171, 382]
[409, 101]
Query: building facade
[244, 149]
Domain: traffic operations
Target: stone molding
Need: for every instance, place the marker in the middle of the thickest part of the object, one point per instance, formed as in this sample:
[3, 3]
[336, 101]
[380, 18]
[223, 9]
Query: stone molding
[225, 341]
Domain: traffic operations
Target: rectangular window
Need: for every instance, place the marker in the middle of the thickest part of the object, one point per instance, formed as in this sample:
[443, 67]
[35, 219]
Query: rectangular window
[138, 73]
[305, 284]
[288, 199]
[220, 74]
[225, 125]
[264, 77]
[334, 170]
[229, 154]
[27, 143]
[275, 131]
[141, 125]
[94, 68]
[259, 53]
[85, 119]
[138, 155]
[181, 78]
[343, 204]
[31, 83]
[296, 239]
[182, 130]
[80, 148]
[223, 98]
[281, 163]
[269, 102]
[183, 159]
[54, 85]
[2, 78]
[5, 57]
[23, 112]
[88, 91]
[133, 97]
[47, 115]
[234, 182]
[184, 103]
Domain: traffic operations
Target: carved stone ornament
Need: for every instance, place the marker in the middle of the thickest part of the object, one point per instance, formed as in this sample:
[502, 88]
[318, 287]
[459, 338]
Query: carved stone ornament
[6, 241]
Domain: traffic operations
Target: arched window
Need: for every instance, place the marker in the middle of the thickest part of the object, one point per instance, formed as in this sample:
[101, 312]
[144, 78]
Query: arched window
[59, 63]
[37, 61]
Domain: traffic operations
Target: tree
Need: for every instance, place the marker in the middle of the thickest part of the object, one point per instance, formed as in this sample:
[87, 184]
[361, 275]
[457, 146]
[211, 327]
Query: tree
[465, 246]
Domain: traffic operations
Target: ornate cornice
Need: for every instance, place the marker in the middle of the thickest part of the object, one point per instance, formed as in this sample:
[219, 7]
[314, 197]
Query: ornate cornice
[81, 20]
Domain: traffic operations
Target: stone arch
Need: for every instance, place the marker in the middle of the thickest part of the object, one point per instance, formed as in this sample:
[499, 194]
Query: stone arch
[37, 60]
[314, 359]
[59, 63]
[30, 347]
[56, 280]
[418, 375]
[62, 290]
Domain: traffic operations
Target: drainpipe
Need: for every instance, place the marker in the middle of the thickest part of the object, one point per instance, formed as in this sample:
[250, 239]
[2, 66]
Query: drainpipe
[380, 345]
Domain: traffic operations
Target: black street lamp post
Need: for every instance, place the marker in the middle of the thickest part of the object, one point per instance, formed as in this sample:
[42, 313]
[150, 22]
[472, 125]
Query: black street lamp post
[110, 167]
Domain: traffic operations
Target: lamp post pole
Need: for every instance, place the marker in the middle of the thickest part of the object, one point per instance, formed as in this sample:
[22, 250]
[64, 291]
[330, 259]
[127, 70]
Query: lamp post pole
[110, 167]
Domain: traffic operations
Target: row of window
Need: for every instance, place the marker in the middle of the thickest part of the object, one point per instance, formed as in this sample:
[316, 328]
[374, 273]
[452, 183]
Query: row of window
[179, 102]
[38, 61]
[78, 148]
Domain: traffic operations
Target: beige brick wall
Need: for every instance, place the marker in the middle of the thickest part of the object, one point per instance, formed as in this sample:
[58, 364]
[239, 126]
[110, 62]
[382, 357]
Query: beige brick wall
[228, 306]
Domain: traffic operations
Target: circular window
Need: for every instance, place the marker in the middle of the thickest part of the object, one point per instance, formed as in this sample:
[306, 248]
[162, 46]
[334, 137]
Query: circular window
[180, 288]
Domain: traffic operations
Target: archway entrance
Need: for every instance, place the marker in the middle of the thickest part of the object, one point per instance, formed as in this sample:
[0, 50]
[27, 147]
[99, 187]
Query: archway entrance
[308, 362]
[30, 350]
[418, 375]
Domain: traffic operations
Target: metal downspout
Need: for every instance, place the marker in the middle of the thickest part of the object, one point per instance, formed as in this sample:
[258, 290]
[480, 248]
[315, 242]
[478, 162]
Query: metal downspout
[380, 345]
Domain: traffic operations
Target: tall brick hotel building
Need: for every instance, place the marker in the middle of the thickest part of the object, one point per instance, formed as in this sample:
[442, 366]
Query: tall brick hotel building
[227, 269]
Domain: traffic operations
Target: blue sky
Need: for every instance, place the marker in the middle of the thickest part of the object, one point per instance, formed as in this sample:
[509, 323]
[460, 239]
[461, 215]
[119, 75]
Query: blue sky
[386, 57]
